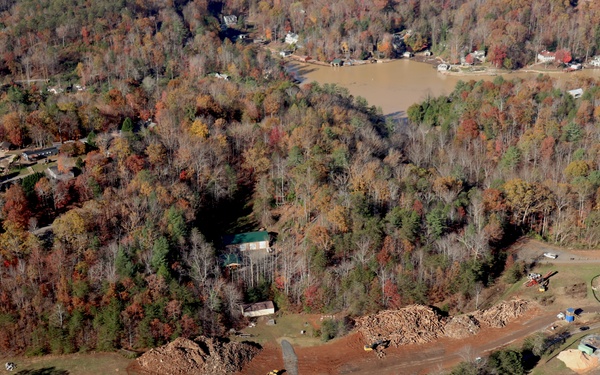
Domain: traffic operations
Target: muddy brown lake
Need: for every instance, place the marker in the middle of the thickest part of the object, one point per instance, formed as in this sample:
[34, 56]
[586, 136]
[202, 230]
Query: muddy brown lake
[396, 85]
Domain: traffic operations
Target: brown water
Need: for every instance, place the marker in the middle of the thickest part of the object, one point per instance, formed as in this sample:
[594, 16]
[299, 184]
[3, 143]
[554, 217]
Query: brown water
[396, 85]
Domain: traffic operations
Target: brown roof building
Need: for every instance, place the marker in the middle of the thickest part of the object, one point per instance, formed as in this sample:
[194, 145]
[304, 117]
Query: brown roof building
[258, 309]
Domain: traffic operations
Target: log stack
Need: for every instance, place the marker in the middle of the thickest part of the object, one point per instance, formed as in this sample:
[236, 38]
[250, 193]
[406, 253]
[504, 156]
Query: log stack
[414, 324]
[501, 314]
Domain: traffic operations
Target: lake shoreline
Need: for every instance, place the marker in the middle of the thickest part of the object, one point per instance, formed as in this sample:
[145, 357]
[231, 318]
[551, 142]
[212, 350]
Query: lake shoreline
[396, 84]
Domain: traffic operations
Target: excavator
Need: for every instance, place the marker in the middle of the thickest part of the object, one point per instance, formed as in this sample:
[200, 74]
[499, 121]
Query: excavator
[377, 344]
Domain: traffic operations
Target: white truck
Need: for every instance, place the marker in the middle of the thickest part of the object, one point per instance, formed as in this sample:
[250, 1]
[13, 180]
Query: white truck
[550, 255]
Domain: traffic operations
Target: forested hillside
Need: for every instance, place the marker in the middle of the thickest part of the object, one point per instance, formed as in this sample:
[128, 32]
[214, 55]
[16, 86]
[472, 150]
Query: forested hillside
[368, 213]
[125, 39]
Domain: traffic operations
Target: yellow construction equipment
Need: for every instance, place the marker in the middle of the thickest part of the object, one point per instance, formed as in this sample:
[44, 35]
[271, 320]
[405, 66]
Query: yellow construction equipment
[379, 343]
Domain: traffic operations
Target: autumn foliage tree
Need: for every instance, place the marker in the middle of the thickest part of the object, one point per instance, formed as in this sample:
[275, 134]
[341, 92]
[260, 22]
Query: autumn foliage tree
[16, 207]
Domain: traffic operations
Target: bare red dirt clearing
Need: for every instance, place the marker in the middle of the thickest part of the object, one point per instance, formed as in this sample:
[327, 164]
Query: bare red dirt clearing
[347, 356]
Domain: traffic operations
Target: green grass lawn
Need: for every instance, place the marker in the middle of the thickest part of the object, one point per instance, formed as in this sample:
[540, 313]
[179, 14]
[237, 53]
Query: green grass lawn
[75, 364]
[287, 326]
[567, 275]
[40, 167]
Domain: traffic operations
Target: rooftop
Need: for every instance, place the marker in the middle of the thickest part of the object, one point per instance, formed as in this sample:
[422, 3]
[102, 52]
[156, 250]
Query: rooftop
[240, 238]
[249, 307]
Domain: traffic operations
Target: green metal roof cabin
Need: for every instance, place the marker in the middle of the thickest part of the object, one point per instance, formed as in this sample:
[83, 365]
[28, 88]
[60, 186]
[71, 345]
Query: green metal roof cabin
[247, 241]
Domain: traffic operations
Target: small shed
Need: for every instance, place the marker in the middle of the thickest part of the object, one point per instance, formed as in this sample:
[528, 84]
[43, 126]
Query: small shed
[336, 62]
[570, 316]
[251, 310]
[232, 261]
[585, 348]
[577, 93]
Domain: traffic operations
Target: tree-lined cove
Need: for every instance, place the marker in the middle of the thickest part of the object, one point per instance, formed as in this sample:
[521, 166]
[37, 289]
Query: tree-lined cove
[395, 85]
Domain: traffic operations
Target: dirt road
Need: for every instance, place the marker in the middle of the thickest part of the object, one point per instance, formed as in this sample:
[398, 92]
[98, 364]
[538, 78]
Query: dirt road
[346, 356]
[532, 250]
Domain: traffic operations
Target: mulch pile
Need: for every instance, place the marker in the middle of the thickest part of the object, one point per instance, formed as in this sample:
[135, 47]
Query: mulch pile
[461, 326]
[578, 361]
[201, 356]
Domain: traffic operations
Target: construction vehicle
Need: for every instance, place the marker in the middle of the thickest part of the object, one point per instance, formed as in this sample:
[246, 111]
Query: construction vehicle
[381, 344]
[538, 279]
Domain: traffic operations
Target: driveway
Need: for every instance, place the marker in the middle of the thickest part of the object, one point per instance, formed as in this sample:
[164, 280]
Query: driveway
[533, 251]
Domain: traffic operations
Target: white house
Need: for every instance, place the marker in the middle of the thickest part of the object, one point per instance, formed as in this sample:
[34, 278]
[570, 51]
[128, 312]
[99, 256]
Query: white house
[546, 56]
[291, 38]
[251, 310]
[230, 20]
[480, 55]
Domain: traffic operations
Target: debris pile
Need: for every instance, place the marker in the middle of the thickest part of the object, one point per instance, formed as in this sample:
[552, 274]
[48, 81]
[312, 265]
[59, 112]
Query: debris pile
[461, 326]
[499, 315]
[578, 361]
[201, 356]
[414, 324]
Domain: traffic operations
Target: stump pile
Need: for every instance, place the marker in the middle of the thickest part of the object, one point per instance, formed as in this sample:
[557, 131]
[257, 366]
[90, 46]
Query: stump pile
[501, 314]
[201, 356]
[414, 324]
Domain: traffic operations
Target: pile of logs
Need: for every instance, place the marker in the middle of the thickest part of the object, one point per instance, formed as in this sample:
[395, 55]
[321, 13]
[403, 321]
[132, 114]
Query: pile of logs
[413, 324]
[461, 326]
[499, 315]
[417, 324]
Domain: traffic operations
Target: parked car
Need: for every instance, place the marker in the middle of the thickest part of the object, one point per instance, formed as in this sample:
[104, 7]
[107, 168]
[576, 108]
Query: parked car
[550, 255]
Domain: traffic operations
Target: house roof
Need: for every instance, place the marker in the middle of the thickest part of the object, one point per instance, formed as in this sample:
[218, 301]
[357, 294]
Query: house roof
[240, 238]
[5, 144]
[249, 307]
[548, 54]
[336, 61]
[41, 151]
[231, 19]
